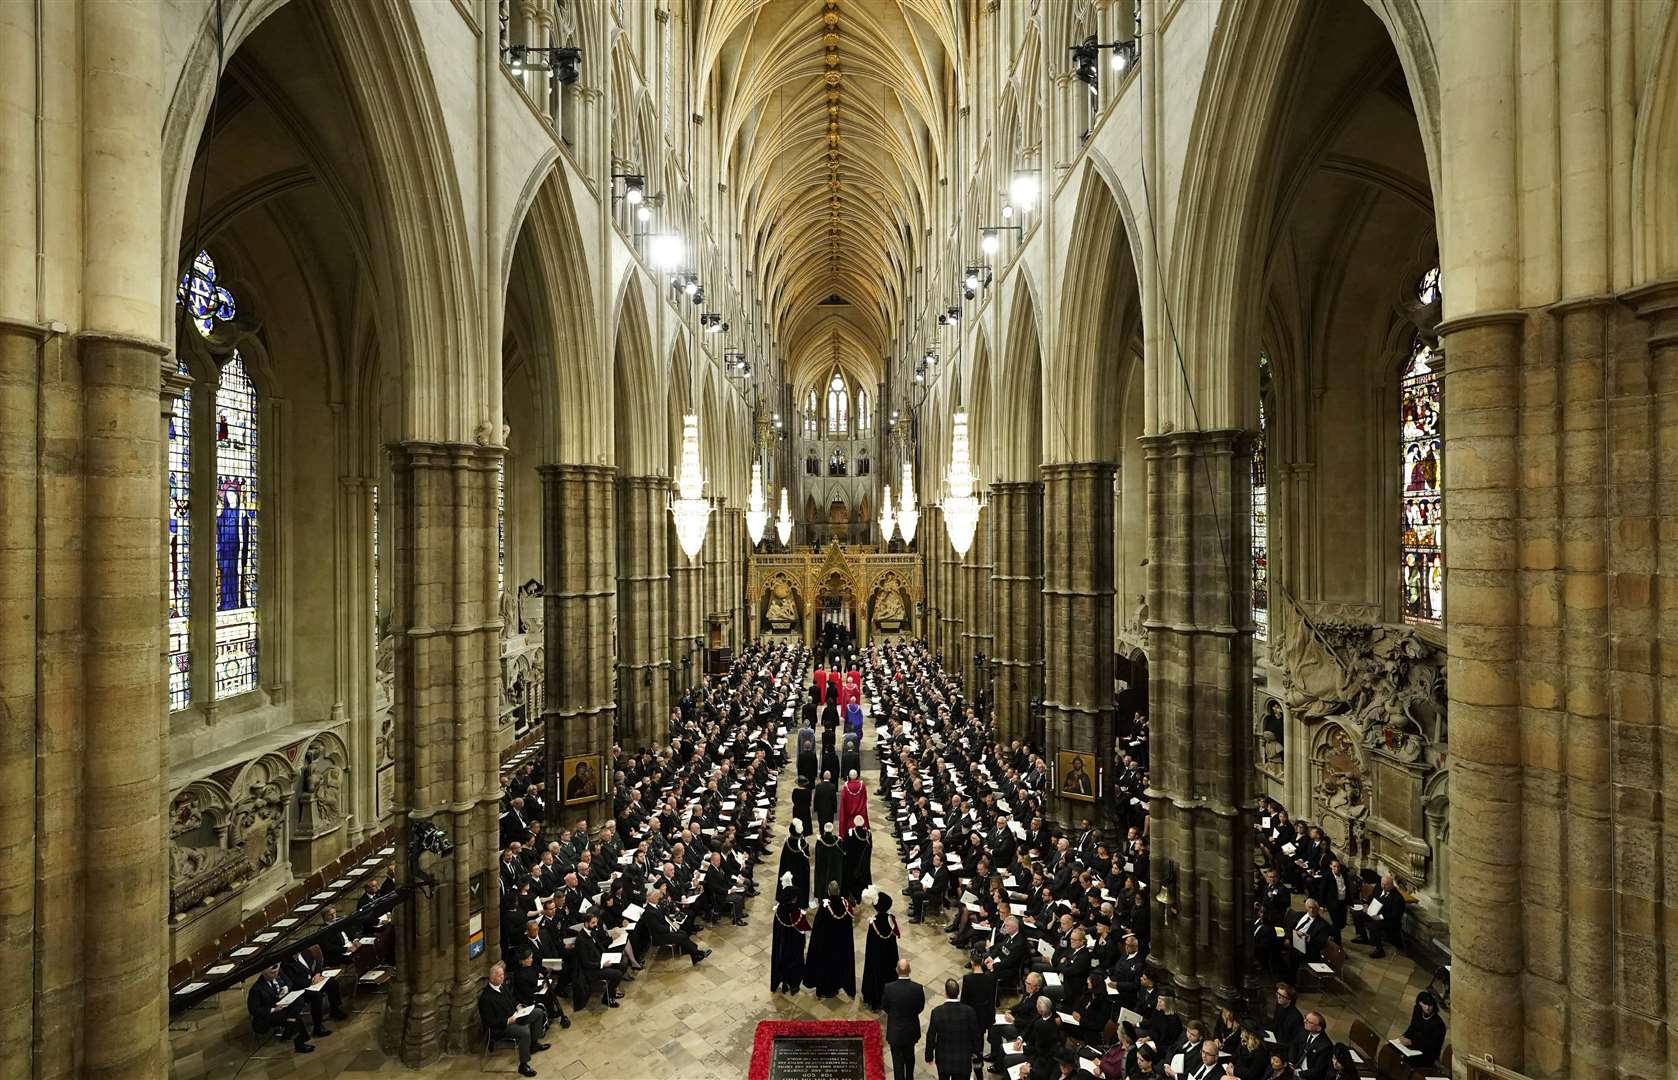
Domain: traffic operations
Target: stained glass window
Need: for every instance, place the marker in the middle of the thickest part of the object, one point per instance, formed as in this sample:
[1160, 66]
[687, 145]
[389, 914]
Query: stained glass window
[838, 405]
[178, 665]
[1261, 512]
[863, 419]
[238, 506]
[1421, 500]
[207, 303]
[812, 414]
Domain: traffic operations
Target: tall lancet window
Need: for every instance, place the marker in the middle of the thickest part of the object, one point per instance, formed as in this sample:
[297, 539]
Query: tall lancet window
[238, 510]
[179, 662]
[838, 405]
[1421, 479]
[1261, 510]
[864, 419]
[812, 414]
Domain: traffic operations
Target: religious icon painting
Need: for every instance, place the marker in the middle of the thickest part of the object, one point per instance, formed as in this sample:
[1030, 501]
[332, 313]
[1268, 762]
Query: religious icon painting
[581, 778]
[1075, 775]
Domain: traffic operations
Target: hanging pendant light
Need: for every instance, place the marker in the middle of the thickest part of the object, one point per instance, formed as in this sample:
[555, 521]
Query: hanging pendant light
[888, 520]
[961, 506]
[757, 513]
[689, 509]
[783, 524]
[908, 515]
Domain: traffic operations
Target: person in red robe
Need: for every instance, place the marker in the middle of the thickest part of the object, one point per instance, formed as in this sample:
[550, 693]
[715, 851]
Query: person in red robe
[853, 803]
[821, 685]
[848, 691]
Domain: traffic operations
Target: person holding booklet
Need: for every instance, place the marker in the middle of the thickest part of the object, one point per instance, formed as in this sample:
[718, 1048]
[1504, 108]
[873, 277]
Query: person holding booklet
[303, 969]
[504, 1018]
[272, 1002]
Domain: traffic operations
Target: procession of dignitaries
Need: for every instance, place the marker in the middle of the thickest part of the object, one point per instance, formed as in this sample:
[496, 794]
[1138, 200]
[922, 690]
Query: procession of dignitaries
[583, 909]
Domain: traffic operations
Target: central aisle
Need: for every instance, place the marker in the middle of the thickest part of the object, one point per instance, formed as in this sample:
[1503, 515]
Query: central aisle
[679, 1022]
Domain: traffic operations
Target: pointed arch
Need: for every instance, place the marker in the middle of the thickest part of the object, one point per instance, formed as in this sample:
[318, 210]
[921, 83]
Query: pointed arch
[635, 427]
[1020, 399]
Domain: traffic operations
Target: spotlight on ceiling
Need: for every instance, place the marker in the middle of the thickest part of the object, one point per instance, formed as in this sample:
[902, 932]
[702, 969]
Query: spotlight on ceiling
[988, 242]
[1084, 66]
[1023, 191]
[666, 250]
[567, 65]
[711, 322]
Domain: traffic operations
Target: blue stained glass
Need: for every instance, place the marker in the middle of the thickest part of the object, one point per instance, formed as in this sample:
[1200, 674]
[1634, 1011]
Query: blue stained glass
[206, 302]
[238, 509]
[178, 665]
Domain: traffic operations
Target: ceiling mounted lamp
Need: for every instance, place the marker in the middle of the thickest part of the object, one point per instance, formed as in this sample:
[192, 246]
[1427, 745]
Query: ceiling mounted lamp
[1022, 193]
[757, 513]
[908, 515]
[990, 237]
[689, 509]
[783, 523]
[634, 187]
[564, 61]
[961, 506]
[711, 322]
[666, 250]
[888, 520]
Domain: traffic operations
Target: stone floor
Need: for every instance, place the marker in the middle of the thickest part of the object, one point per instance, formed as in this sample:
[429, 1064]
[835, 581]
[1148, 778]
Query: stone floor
[679, 1022]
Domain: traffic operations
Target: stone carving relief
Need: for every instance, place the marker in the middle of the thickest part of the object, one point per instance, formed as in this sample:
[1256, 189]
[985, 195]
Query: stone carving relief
[888, 610]
[1372, 698]
[228, 828]
[781, 611]
[320, 787]
[384, 694]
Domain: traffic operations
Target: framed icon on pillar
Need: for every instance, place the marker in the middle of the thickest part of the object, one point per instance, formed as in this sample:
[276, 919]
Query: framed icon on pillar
[581, 777]
[1075, 775]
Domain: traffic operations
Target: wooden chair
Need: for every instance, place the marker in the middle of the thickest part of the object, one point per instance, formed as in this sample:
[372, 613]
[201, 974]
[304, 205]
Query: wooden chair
[1363, 1037]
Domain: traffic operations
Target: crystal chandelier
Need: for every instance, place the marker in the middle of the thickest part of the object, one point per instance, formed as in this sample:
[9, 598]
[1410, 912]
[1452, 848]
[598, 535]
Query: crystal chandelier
[888, 520]
[961, 506]
[908, 516]
[689, 509]
[783, 523]
[757, 513]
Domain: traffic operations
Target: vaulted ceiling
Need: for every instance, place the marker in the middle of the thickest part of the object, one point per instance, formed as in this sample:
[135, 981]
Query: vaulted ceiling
[834, 113]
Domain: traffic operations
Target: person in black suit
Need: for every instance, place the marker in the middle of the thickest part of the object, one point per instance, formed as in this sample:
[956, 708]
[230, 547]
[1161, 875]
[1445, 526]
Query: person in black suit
[825, 801]
[263, 1001]
[496, 1008]
[304, 968]
[591, 945]
[954, 1040]
[532, 985]
[978, 989]
[338, 949]
[903, 1001]
[1288, 1025]
[1007, 955]
[1310, 1057]
[1387, 927]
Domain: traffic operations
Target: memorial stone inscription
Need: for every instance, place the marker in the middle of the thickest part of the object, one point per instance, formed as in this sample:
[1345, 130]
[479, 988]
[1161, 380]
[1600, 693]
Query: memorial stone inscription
[816, 1058]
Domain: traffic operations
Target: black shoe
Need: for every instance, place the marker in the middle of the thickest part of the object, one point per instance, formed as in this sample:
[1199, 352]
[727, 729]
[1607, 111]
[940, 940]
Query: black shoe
[526, 1070]
[1378, 953]
[321, 1032]
[564, 1021]
[539, 1047]
[638, 967]
[703, 953]
[950, 929]
[612, 1003]
[916, 920]
[303, 1048]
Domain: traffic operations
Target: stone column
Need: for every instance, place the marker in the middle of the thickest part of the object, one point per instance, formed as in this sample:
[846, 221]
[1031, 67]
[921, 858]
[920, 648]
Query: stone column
[1200, 704]
[580, 604]
[977, 634]
[447, 704]
[733, 578]
[715, 556]
[1017, 583]
[950, 606]
[1078, 617]
[927, 538]
[643, 609]
[686, 588]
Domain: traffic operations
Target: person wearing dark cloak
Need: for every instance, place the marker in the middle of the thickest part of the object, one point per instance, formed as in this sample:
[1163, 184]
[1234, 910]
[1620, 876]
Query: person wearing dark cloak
[850, 753]
[830, 861]
[807, 754]
[859, 859]
[801, 802]
[795, 860]
[830, 762]
[879, 959]
[786, 957]
[830, 965]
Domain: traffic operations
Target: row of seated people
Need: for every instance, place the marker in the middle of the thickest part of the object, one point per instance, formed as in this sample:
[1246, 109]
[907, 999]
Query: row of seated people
[1062, 917]
[691, 824]
[306, 980]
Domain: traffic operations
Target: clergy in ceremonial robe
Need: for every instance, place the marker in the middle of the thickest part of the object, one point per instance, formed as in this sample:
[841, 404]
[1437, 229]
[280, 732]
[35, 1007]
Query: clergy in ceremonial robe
[879, 956]
[795, 860]
[830, 861]
[830, 965]
[853, 719]
[859, 858]
[786, 956]
[801, 802]
[853, 803]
